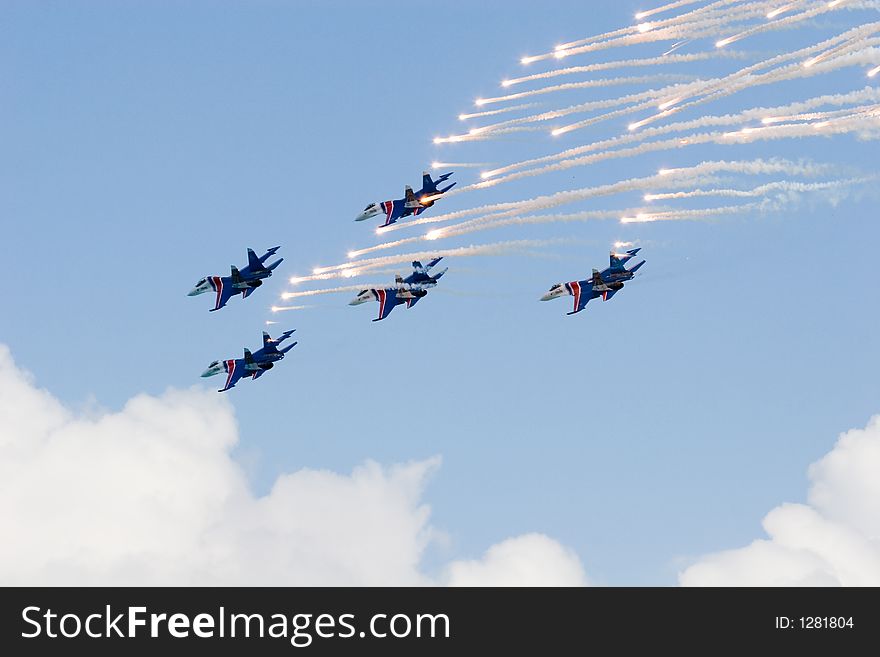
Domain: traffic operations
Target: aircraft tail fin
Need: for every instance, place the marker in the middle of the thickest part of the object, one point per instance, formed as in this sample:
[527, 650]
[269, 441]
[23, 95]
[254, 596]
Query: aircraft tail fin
[254, 262]
[636, 268]
[288, 347]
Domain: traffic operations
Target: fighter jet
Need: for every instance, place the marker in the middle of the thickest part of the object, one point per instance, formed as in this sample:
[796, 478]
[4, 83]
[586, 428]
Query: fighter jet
[254, 364]
[408, 290]
[240, 281]
[413, 203]
[603, 284]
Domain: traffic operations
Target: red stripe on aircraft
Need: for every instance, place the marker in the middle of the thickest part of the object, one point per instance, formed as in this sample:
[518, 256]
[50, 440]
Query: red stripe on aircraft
[218, 285]
[382, 296]
[576, 290]
[230, 367]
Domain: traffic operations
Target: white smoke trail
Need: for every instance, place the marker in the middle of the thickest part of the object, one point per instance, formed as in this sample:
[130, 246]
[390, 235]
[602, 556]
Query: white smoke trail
[502, 110]
[664, 8]
[745, 135]
[521, 247]
[762, 190]
[493, 215]
[679, 215]
[867, 94]
[333, 290]
[781, 10]
[699, 171]
[633, 28]
[739, 82]
[488, 223]
[459, 165]
[668, 30]
[483, 134]
[712, 88]
[588, 84]
[822, 8]
[625, 63]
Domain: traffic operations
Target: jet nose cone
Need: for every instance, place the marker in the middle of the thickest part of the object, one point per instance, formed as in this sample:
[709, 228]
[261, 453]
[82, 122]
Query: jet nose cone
[546, 297]
[207, 373]
[193, 292]
[355, 302]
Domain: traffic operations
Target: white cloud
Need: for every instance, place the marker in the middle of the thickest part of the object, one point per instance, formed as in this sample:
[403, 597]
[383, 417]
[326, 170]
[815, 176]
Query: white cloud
[528, 560]
[150, 495]
[832, 540]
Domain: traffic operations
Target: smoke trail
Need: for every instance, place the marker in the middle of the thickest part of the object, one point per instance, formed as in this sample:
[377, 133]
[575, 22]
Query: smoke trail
[503, 110]
[332, 290]
[865, 95]
[782, 22]
[278, 309]
[669, 30]
[521, 247]
[739, 81]
[762, 190]
[483, 134]
[781, 10]
[625, 63]
[634, 28]
[745, 135]
[678, 215]
[670, 6]
[494, 215]
[588, 84]
[711, 88]
[707, 168]
[459, 165]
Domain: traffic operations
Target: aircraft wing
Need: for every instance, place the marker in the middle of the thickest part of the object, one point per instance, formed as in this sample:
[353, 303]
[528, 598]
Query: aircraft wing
[387, 300]
[224, 291]
[393, 211]
[606, 296]
[234, 371]
[582, 293]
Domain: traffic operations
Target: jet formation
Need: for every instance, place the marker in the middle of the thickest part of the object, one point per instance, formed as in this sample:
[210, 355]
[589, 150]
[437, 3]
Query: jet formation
[603, 284]
[412, 203]
[406, 290]
[240, 281]
[252, 365]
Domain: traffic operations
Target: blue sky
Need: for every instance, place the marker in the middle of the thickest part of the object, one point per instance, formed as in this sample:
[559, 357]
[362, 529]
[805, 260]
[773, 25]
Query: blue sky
[147, 144]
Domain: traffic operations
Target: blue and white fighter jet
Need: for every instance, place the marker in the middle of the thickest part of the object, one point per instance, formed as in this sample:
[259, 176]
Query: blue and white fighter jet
[253, 365]
[603, 284]
[413, 203]
[240, 281]
[406, 290]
